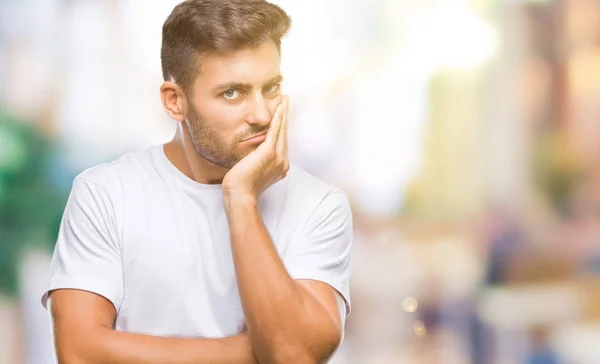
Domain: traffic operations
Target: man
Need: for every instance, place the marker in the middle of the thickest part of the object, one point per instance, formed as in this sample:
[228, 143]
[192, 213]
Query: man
[210, 248]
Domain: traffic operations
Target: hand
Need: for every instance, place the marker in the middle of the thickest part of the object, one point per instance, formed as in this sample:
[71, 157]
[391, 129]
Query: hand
[266, 165]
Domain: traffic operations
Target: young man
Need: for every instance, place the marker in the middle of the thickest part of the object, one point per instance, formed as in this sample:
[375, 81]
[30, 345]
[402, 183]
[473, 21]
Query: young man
[210, 248]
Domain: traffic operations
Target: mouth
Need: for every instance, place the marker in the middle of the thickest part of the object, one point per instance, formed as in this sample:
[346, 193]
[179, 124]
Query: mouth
[256, 138]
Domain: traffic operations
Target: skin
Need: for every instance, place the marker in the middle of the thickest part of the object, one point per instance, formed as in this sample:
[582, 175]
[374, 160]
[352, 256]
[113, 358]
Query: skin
[288, 321]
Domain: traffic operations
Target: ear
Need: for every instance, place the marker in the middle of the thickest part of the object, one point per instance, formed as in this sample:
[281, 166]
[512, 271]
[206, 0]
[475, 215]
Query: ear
[173, 100]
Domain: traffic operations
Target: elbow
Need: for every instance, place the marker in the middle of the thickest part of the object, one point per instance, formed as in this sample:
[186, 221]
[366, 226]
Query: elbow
[69, 356]
[317, 351]
[290, 354]
[75, 351]
[297, 356]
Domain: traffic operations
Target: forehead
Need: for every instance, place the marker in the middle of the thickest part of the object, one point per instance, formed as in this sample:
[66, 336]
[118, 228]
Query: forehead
[252, 65]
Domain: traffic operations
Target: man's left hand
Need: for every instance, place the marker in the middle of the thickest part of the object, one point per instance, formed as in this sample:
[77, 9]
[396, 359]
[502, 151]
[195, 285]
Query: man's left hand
[266, 165]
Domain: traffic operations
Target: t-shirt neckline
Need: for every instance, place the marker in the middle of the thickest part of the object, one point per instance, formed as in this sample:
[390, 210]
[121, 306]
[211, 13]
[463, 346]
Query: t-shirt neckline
[175, 173]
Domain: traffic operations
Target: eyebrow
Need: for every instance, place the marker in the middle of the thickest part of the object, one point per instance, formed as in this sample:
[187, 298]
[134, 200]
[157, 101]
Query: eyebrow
[244, 86]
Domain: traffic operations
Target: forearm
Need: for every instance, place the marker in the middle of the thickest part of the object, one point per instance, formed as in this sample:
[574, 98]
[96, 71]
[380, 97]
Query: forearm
[282, 318]
[114, 347]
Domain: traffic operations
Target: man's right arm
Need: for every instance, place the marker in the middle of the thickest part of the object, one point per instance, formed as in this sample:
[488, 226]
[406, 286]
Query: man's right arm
[83, 334]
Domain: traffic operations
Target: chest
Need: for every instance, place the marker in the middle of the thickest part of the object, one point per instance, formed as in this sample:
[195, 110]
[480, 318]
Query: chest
[178, 270]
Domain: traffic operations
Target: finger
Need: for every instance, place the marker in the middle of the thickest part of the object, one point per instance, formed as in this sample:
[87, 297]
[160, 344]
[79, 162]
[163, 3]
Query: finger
[282, 138]
[273, 132]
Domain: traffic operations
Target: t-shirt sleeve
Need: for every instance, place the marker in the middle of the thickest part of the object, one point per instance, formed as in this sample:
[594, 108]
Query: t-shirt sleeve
[321, 251]
[87, 255]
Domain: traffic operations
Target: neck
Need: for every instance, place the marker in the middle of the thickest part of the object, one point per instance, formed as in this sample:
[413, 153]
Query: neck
[181, 153]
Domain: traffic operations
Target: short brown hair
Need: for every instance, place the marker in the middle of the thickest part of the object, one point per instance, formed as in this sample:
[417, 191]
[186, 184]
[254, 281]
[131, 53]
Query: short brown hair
[197, 27]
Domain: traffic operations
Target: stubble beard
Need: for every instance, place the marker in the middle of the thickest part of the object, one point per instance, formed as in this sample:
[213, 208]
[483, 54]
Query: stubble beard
[207, 142]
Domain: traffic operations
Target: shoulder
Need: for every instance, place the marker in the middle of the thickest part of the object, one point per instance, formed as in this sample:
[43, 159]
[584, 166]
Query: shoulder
[110, 177]
[99, 192]
[308, 193]
[300, 181]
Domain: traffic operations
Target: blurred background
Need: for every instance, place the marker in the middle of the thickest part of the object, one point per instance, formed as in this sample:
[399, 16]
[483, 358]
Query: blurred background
[466, 134]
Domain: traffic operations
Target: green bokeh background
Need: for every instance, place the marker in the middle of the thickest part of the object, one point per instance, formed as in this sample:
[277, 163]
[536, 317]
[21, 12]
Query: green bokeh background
[31, 201]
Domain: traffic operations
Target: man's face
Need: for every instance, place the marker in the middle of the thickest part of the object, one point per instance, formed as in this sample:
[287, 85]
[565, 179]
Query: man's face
[235, 97]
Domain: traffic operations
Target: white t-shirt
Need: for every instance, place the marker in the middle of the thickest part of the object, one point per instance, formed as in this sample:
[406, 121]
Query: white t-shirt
[156, 244]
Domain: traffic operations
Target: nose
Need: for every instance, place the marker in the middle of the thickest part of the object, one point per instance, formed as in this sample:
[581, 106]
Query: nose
[259, 113]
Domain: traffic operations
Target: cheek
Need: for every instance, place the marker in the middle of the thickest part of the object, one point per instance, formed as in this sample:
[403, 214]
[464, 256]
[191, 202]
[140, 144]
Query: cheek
[222, 118]
[273, 103]
[230, 125]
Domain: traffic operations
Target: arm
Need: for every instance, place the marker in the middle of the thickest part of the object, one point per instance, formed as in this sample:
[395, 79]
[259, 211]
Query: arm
[82, 328]
[86, 287]
[288, 321]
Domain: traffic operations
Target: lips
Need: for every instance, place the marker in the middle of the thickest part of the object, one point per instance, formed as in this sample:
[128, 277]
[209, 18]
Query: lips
[257, 137]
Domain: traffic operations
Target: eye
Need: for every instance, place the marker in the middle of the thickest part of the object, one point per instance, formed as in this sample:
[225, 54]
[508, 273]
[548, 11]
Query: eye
[231, 94]
[273, 88]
